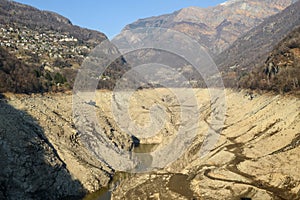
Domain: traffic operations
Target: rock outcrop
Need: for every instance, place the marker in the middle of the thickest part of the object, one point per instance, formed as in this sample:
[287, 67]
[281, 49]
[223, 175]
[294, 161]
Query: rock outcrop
[30, 166]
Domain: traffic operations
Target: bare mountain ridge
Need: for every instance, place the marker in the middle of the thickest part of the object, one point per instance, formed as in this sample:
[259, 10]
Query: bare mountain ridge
[216, 28]
[13, 12]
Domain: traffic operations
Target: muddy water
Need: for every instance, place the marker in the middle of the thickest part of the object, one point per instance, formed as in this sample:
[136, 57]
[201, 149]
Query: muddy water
[105, 193]
[145, 148]
[183, 188]
[178, 183]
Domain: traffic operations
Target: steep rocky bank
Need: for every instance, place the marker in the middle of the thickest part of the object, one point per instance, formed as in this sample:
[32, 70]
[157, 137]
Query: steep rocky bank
[30, 166]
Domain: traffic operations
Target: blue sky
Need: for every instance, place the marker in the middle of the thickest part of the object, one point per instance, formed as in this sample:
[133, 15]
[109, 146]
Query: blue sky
[110, 16]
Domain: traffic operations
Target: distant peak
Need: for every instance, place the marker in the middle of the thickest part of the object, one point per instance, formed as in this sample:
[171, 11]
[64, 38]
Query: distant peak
[226, 3]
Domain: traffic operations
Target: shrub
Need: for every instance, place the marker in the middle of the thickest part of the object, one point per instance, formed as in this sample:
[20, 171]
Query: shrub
[59, 78]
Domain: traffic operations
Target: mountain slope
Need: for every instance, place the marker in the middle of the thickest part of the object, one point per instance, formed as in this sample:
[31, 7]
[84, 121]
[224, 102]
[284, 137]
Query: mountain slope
[251, 50]
[261, 39]
[216, 27]
[281, 71]
[17, 76]
[49, 44]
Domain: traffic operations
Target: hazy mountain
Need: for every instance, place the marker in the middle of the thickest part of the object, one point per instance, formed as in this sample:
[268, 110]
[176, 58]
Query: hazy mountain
[216, 27]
